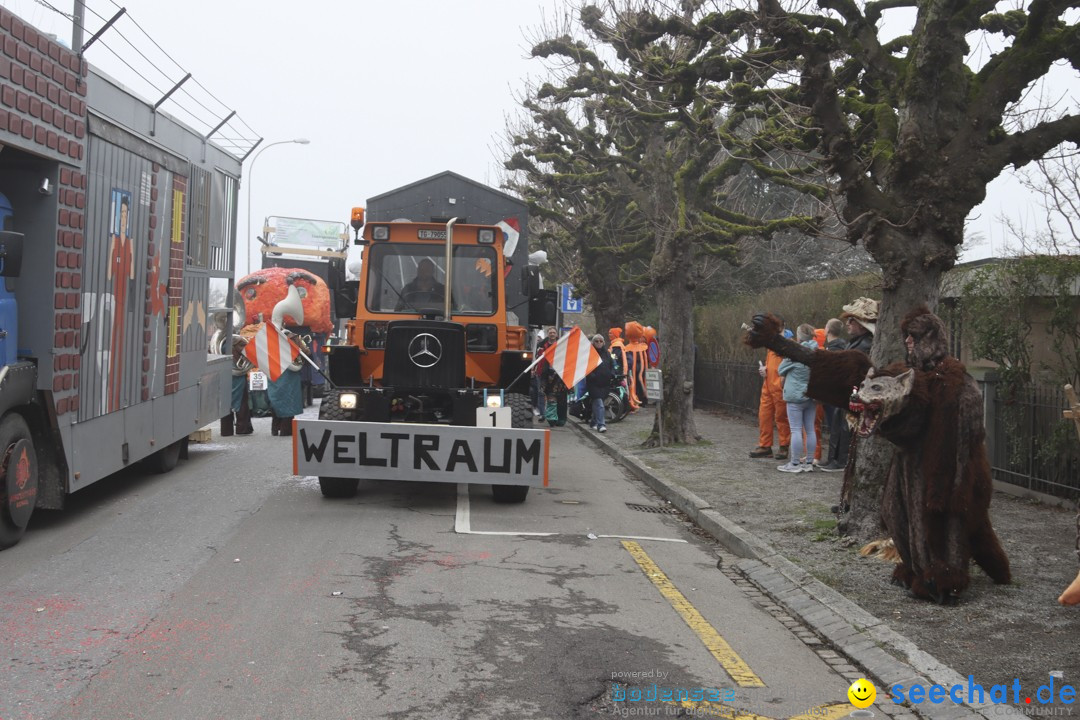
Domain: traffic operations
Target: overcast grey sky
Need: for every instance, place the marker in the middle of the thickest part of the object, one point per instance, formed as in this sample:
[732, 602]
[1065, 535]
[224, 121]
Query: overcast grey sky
[387, 92]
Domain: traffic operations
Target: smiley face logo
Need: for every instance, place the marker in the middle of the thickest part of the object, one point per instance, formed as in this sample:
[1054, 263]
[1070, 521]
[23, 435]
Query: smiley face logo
[862, 693]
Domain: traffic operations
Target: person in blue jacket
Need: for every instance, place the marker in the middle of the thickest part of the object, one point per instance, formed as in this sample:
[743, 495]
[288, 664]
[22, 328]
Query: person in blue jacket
[800, 409]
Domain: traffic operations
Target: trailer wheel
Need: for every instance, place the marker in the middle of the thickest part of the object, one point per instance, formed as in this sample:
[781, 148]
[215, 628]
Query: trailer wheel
[166, 458]
[520, 417]
[18, 479]
[336, 487]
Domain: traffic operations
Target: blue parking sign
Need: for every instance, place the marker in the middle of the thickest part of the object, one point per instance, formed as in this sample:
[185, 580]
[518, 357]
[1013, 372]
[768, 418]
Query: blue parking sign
[567, 302]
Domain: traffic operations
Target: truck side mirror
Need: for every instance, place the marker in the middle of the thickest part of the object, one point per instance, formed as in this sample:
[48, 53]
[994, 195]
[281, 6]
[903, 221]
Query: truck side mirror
[542, 307]
[11, 247]
[343, 294]
[530, 280]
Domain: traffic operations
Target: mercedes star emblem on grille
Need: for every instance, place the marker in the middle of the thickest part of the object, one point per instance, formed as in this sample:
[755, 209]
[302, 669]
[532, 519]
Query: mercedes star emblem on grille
[425, 350]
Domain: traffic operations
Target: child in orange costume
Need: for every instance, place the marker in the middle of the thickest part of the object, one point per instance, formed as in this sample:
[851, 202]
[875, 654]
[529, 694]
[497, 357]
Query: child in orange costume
[637, 360]
[652, 345]
[617, 348]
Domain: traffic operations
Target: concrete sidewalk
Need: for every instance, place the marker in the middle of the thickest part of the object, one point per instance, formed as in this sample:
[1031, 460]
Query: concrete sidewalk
[779, 527]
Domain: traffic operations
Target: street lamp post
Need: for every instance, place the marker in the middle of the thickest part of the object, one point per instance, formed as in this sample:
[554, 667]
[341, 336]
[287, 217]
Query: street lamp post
[251, 167]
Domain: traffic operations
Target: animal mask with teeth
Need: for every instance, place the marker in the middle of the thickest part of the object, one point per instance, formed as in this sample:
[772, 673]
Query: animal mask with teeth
[879, 398]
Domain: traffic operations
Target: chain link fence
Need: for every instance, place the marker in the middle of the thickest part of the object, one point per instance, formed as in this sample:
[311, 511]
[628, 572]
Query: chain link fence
[733, 386]
[1028, 441]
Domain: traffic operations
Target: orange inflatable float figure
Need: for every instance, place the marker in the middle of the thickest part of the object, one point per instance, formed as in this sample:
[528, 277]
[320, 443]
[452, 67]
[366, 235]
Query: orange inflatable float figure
[263, 289]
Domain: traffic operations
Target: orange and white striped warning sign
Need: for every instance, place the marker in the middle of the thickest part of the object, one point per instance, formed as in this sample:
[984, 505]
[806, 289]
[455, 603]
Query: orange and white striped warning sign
[573, 357]
[270, 351]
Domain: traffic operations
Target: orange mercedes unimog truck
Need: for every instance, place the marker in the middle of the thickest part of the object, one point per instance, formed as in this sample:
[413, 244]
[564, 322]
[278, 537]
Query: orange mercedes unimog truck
[431, 382]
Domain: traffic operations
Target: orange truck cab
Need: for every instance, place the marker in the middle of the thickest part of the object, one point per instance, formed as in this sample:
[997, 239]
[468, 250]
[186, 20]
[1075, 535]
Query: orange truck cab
[404, 279]
[430, 344]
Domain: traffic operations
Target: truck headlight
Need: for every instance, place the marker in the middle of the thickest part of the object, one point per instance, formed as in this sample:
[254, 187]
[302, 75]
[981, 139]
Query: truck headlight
[375, 334]
[493, 399]
[347, 401]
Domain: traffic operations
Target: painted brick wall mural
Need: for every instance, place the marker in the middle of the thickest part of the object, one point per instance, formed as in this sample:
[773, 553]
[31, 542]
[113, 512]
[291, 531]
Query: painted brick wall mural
[43, 100]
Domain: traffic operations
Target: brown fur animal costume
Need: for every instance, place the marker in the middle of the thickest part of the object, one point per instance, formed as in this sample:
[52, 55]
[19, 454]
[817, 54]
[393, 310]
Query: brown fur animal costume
[937, 493]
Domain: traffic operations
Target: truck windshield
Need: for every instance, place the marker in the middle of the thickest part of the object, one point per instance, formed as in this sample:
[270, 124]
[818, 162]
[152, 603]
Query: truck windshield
[410, 278]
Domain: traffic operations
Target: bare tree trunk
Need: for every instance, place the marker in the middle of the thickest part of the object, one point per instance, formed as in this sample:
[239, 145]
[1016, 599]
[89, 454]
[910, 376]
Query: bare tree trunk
[921, 285]
[675, 291]
[607, 293]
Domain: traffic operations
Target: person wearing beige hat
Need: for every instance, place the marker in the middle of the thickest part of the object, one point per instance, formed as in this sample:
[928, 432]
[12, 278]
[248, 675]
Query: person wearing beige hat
[861, 318]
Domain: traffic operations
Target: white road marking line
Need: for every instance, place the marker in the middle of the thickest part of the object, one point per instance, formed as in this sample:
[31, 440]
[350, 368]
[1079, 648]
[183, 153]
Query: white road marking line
[463, 523]
[641, 537]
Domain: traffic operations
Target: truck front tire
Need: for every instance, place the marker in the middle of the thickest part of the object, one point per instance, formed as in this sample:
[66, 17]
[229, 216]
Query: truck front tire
[336, 487]
[520, 417]
[18, 479]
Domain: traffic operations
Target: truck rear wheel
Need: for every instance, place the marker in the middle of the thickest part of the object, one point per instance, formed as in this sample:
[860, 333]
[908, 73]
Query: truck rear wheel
[336, 487]
[165, 459]
[18, 479]
[520, 417]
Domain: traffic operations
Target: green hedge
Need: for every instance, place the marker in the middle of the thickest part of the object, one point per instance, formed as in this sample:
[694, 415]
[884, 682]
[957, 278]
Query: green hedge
[719, 331]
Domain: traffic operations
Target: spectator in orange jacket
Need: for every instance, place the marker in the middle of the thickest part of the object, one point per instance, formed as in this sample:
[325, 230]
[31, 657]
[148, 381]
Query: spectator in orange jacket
[772, 411]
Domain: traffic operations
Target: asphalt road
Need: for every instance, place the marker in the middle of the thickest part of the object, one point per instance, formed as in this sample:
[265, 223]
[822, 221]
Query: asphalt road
[228, 589]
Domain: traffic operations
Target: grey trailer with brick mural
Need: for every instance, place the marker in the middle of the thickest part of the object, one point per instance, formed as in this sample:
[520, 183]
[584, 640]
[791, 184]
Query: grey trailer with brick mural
[116, 259]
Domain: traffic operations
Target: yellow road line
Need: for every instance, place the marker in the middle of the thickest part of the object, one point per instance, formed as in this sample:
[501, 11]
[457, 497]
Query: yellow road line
[739, 671]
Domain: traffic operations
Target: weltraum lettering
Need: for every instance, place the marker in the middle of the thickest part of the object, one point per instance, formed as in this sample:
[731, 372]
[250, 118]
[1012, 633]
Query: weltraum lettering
[424, 453]
[529, 451]
[422, 445]
[507, 451]
[460, 453]
[395, 439]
